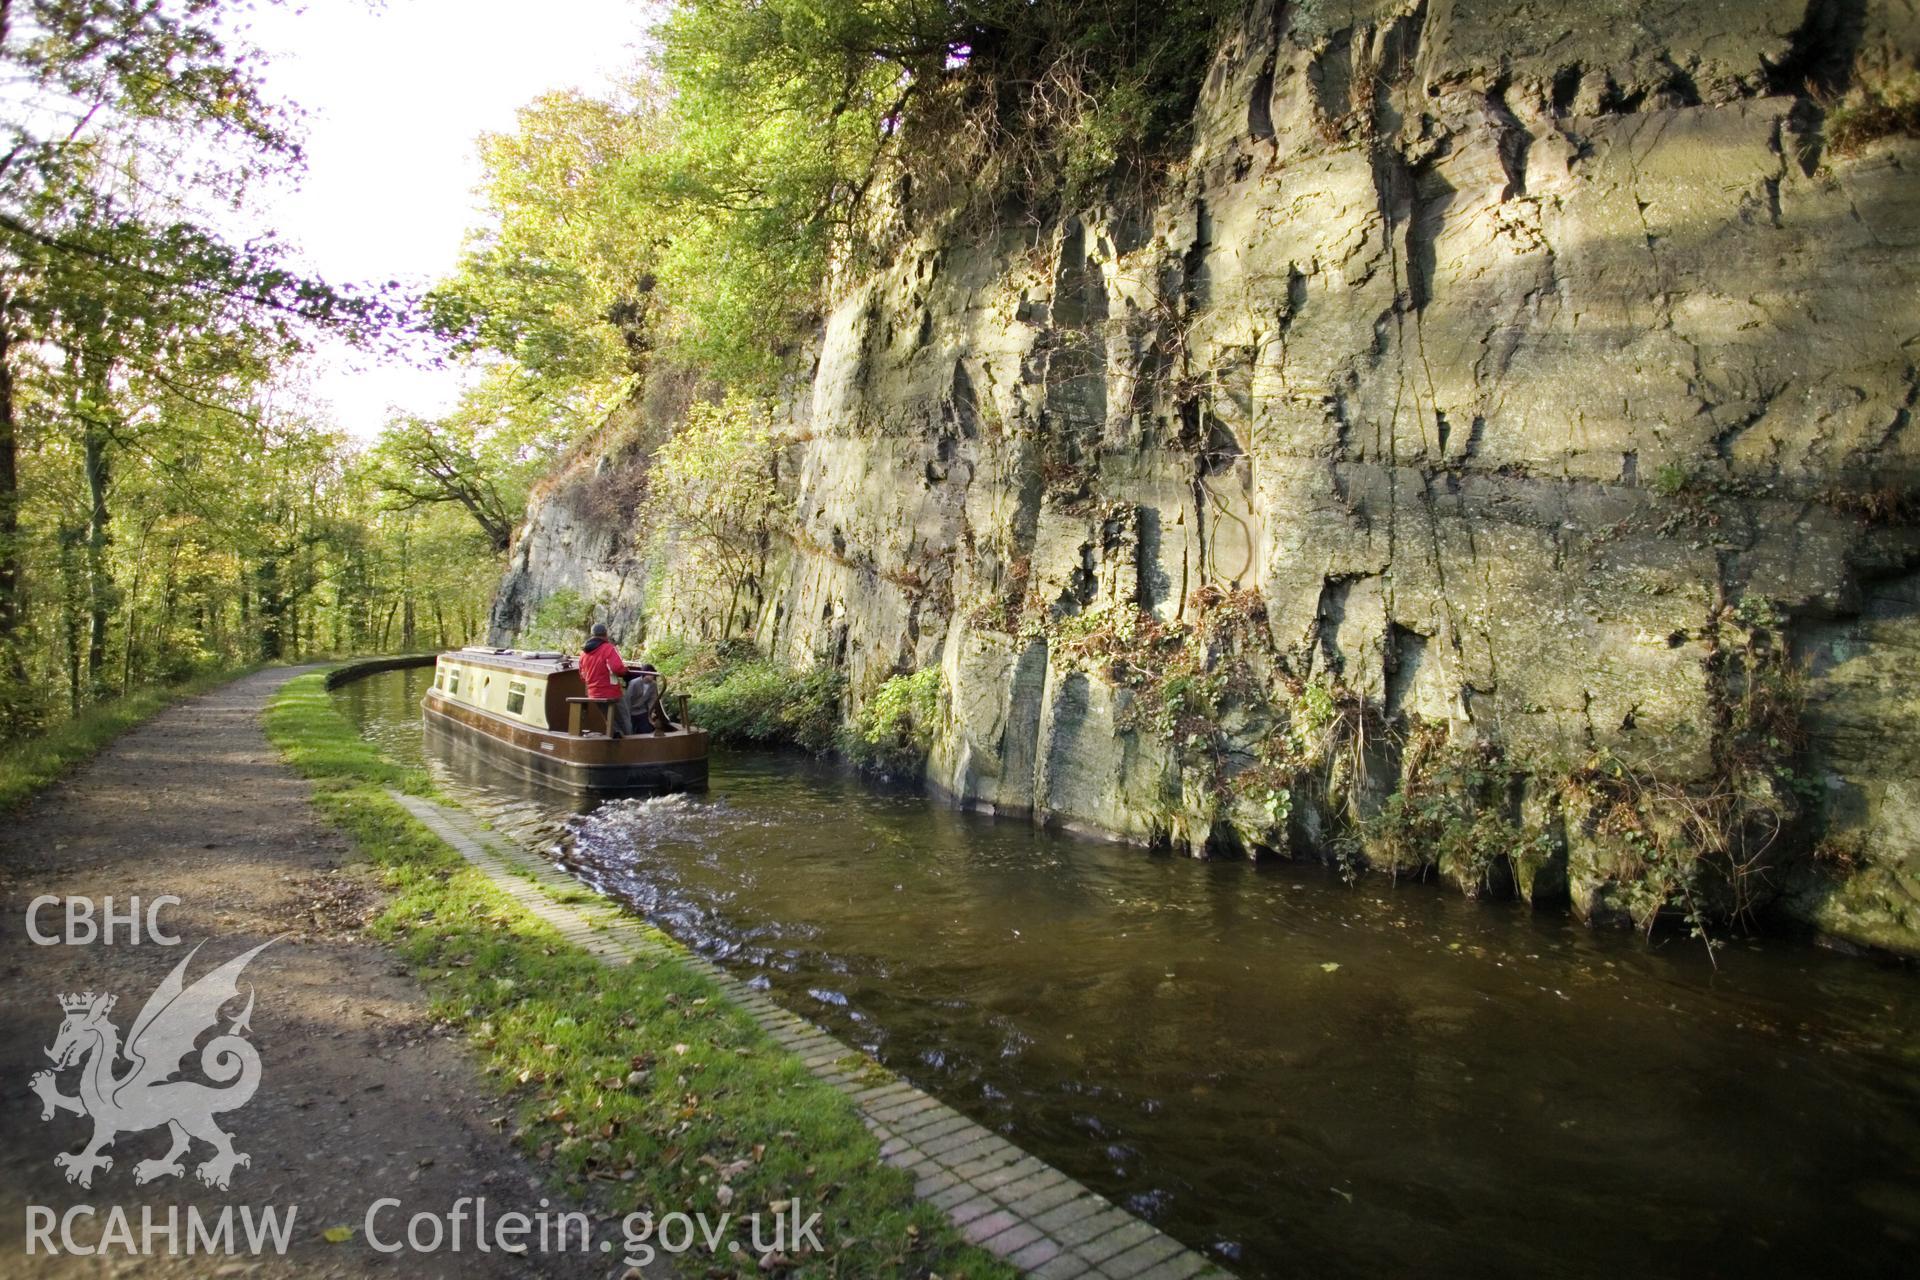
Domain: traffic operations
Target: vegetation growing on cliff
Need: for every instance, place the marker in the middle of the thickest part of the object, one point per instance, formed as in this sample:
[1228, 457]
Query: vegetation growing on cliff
[1405, 795]
[713, 489]
[1454, 812]
[560, 622]
[694, 219]
[1711, 844]
[1878, 105]
[740, 696]
[896, 725]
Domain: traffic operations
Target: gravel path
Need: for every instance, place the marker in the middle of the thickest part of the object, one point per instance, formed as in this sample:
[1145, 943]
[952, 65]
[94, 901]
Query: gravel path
[361, 1095]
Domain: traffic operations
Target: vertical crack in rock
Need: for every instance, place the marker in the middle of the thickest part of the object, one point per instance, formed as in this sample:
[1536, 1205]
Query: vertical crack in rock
[1260, 125]
[1260, 107]
[1565, 90]
[1330, 77]
[963, 402]
[1511, 141]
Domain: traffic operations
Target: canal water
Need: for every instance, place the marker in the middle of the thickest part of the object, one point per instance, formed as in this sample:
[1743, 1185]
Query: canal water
[1299, 1077]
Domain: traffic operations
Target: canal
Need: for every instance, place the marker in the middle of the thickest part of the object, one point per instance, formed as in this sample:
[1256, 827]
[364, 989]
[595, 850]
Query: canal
[1300, 1077]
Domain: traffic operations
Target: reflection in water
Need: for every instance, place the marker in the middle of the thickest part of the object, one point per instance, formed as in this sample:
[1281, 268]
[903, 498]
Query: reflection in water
[1302, 1077]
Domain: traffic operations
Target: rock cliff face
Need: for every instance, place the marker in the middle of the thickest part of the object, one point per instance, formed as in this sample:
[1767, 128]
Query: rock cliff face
[1501, 367]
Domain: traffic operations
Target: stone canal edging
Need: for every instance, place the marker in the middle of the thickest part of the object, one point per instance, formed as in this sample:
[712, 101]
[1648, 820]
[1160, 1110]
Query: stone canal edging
[348, 671]
[1000, 1197]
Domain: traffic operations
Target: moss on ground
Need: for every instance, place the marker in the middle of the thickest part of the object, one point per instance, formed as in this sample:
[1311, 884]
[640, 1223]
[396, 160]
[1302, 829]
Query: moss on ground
[639, 1087]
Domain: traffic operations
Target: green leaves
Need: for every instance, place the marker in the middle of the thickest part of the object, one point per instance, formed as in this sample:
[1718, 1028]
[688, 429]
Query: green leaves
[481, 459]
[557, 279]
[896, 726]
[142, 68]
[143, 469]
[776, 143]
[418, 463]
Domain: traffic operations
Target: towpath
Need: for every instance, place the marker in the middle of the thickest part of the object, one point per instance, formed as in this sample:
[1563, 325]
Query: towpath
[361, 1095]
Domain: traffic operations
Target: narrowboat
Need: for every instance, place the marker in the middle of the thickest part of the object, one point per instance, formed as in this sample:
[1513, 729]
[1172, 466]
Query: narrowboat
[528, 713]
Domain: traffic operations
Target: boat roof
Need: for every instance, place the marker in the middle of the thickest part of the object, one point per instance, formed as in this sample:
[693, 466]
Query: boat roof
[535, 661]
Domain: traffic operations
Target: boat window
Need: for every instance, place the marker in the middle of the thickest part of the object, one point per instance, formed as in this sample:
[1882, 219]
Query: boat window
[453, 683]
[516, 697]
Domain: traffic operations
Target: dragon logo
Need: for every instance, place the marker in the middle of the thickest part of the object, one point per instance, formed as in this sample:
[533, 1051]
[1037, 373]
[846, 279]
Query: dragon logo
[145, 1095]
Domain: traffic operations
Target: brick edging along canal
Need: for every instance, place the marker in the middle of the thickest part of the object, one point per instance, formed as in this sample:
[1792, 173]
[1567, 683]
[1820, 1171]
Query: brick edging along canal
[1000, 1197]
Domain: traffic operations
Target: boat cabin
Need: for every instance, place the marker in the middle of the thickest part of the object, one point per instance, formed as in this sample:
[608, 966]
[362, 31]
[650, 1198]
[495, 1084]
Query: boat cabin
[528, 686]
[528, 711]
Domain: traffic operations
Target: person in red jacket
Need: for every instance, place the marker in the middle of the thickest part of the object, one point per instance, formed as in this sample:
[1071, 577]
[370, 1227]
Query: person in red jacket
[599, 664]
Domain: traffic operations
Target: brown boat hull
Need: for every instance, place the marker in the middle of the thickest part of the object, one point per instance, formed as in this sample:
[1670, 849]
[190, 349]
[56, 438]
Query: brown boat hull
[583, 765]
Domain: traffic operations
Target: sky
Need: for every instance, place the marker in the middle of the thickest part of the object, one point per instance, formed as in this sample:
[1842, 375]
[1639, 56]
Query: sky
[395, 96]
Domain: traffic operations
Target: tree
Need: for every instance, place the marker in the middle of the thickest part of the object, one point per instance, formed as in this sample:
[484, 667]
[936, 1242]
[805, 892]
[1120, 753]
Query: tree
[559, 278]
[425, 462]
[555, 294]
[124, 319]
[72, 69]
[482, 459]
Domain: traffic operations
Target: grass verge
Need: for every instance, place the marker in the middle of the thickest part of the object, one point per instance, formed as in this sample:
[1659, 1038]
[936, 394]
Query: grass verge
[29, 766]
[638, 1087]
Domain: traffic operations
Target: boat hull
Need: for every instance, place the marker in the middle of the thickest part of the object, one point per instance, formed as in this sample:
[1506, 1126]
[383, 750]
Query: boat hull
[585, 765]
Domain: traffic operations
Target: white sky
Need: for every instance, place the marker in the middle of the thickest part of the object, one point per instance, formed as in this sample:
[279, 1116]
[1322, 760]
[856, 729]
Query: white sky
[395, 97]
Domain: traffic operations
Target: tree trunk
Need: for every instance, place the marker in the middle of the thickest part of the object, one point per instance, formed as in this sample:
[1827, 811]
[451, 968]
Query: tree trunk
[406, 590]
[271, 607]
[99, 539]
[733, 605]
[340, 612]
[11, 661]
[71, 592]
[99, 474]
[133, 602]
[168, 599]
